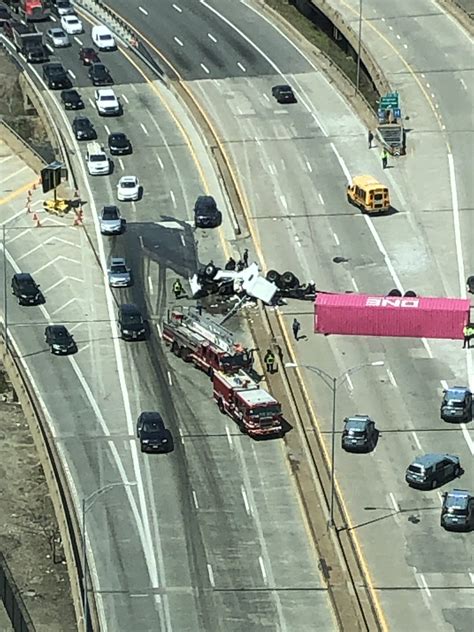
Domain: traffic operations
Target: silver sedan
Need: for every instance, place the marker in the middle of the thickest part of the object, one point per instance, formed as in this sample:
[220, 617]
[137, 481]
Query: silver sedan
[56, 38]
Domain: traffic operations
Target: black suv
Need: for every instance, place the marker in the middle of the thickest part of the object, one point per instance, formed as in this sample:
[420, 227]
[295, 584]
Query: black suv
[100, 75]
[359, 434]
[56, 77]
[283, 94]
[119, 144]
[131, 323]
[83, 128]
[153, 435]
[72, 100]
[206, 213]
[431, 470]
[456, 404]
[25, 289]
[59, 339]
[457, 512]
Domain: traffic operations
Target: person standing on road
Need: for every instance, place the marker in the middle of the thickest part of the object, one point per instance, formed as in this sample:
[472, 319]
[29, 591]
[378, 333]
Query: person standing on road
[468, 333]
[245, 258]
[269, 360]
[231, 264]
[296, 328]
[178, 289]
[370, 138]
[384, 158]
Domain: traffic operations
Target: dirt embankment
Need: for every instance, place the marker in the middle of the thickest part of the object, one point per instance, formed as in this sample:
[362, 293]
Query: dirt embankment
[17, 113]
[29, 534]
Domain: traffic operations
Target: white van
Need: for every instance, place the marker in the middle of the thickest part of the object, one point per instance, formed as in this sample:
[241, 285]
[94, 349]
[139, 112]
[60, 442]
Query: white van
[103, 38]
[97, 162]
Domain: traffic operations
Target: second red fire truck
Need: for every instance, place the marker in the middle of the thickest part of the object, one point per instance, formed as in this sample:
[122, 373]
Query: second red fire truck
[256, 412]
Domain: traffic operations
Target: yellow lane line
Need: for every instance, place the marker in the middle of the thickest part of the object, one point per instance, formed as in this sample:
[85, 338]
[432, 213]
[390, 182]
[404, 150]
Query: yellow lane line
[17, 192]
[407, 65]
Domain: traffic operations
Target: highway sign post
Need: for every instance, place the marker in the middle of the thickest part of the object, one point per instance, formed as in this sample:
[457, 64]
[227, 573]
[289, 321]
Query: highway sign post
[390, 101]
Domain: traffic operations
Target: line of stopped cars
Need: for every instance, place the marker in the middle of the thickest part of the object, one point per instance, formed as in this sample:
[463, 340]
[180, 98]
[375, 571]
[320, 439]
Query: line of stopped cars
[426, 471]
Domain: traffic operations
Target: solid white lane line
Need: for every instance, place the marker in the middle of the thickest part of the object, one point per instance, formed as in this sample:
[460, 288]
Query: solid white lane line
[211, 574]
[336, 239]
[177, 8]
[12, 175]
[205, 68]
[211, 37]
[229, 437]
[246, 500]
[415, 438]
[241, 66]
[262, 568]
[173, 199]
[150, 284]
[144, 11]
[144, 129]
[457, 226]
[391, 377]
[195, 500]
[354, 284]
[343, 164]
[178, 41]
[384, 253]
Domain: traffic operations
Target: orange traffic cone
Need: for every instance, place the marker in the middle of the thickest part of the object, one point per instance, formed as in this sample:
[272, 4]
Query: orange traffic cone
[36, 220]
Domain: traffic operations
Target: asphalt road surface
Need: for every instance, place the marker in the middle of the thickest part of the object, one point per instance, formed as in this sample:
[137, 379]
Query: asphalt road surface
[206, 538]
[294, 163]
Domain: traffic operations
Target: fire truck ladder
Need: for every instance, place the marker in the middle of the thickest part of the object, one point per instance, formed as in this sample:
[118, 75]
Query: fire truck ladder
[207, 327]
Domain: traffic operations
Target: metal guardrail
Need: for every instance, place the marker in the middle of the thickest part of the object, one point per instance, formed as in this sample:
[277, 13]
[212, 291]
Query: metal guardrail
[12, 600]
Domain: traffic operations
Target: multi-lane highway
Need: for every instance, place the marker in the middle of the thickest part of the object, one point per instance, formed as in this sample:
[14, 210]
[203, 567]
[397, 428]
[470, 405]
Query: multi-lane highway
[293, 163]
[210, 537]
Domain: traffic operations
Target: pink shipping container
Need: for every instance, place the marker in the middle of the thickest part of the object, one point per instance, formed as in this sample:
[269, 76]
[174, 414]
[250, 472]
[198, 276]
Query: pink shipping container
[372, 315]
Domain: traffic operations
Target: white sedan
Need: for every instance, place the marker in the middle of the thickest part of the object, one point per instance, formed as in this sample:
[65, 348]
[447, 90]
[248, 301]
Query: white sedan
[128, 189]
[71, 24]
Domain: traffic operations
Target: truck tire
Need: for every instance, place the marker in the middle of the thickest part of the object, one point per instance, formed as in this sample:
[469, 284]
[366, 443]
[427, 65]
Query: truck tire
[274, 277]
[175, 349]
[289, 280]
[220, 406]
[410, 293]
[210, 271]
[394, 292]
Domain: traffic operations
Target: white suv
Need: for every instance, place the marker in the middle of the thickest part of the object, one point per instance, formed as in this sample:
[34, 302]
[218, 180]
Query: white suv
[97, 162]
[107, 103]
[103, 38]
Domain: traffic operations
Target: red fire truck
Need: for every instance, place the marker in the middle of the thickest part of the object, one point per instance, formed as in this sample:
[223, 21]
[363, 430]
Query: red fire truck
[199, 339]
[256, 412]
[31, 10]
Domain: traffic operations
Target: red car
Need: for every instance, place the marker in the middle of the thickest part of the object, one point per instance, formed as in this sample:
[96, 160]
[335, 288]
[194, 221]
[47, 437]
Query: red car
[88, 56]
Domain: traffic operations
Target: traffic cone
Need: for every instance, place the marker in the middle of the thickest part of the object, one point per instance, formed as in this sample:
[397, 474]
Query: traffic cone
[36, 220]
[28, 207]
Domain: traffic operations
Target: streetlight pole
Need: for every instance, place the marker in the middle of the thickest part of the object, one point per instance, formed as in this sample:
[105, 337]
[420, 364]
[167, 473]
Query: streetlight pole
[333, 383]
[88, 503]
[359, 47]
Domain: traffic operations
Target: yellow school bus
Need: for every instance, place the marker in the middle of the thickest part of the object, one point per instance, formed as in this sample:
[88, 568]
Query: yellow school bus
[369, 195]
